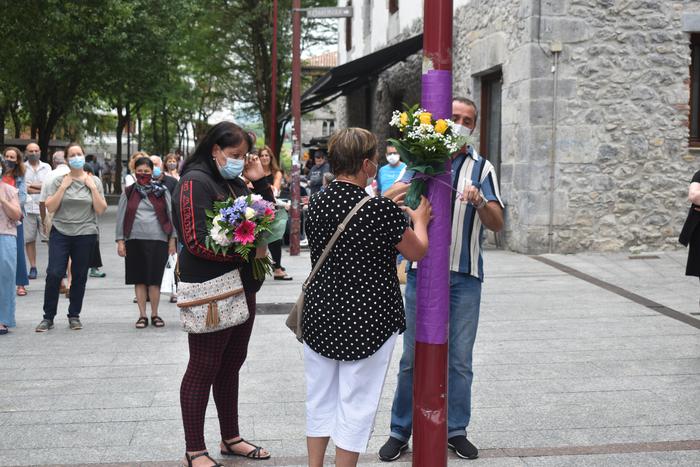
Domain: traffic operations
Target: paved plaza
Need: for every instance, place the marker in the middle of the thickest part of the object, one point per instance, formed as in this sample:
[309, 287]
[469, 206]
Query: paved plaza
[590, 359]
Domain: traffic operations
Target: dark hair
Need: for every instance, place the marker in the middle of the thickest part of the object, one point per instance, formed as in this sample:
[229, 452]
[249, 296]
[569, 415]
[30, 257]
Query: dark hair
[143, 161]
[18, 171]
[224, 135]
[348, 148]
[469, 102]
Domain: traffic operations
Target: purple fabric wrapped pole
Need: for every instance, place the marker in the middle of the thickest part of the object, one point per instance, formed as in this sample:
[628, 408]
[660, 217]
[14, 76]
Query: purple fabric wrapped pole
[433, 286]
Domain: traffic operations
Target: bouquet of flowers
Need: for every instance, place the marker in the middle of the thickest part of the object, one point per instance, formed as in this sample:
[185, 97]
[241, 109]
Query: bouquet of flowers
[425, 145]
[242, 224]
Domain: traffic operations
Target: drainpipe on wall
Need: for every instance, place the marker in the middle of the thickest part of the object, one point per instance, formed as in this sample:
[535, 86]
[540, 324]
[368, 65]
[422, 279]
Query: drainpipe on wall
[555, 48]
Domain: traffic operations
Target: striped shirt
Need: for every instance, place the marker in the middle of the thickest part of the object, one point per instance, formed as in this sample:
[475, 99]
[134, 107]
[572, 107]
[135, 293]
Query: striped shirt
[467, 229]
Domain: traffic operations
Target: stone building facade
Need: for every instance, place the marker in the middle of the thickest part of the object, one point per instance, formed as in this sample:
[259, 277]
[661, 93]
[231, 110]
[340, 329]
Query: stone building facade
[586, 105]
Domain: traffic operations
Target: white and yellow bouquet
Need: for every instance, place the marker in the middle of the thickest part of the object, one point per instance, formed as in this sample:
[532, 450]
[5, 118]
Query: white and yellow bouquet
[425, 145]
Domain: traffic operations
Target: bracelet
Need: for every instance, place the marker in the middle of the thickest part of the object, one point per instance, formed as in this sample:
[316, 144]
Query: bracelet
[482, 203]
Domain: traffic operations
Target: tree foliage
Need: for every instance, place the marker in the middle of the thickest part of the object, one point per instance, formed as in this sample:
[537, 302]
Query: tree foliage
[174, 63]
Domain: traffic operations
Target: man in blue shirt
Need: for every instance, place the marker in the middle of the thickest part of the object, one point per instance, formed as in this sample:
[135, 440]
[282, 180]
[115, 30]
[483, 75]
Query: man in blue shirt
[389, 173]
[475, 178]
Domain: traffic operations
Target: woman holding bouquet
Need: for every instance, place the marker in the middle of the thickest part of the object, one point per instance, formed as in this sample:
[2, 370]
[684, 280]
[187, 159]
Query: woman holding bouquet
[145, 237]
[353, 308]
[213, 173]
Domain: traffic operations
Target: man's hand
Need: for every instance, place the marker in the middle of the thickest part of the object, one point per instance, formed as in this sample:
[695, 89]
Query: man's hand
[472, 195]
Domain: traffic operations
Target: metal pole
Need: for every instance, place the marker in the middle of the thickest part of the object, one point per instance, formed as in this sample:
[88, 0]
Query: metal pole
[433, 280]
[296, 133]
[273, 83]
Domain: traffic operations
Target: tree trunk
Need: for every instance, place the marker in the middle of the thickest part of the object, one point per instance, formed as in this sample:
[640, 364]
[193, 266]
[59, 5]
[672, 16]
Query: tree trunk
[122, 119]
[3, 114]
[16, 121]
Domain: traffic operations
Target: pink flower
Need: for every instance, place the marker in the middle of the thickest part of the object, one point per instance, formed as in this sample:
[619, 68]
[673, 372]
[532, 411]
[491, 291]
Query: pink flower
[270, 212]
[245, 233]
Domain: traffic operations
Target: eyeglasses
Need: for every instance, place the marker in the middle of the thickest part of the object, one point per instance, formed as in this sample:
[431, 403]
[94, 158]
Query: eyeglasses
[237, 156]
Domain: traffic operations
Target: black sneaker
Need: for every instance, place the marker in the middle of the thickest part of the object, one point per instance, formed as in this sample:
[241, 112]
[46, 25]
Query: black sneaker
[392, 449]
[462, 447]
[75, 324]
[44, 326]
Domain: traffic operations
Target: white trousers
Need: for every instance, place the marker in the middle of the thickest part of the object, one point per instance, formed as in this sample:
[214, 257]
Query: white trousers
[342, 398]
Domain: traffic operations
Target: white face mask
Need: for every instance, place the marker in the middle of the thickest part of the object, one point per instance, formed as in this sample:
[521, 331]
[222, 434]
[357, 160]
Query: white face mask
[462, 130]
[393, 158]
[370, 180]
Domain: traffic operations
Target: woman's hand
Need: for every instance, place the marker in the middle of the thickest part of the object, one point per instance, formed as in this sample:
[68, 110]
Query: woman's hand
[66, 182]
[421, 215]
[253, 170]
[172, 247]
[89, 181]
[121, 248]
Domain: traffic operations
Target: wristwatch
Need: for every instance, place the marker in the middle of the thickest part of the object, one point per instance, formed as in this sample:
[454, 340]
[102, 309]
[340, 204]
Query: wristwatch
[482, 203]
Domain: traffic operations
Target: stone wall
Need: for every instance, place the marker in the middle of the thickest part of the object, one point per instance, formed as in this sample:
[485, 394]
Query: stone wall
[622, 164]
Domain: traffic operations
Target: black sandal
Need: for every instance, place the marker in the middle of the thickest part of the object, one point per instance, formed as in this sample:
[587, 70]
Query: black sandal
[254, 454]
[142, 322]
[203, 454]
[157, 321]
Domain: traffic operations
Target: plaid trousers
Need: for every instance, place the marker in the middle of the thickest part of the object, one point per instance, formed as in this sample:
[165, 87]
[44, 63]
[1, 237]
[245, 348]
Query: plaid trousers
[215, 359]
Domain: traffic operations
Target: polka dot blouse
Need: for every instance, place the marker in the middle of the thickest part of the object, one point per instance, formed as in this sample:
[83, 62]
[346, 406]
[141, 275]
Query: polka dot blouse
[354, 303]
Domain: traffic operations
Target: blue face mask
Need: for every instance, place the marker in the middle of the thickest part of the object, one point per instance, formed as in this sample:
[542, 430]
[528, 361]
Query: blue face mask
[232, 169]
[157, 172]
[76, 162]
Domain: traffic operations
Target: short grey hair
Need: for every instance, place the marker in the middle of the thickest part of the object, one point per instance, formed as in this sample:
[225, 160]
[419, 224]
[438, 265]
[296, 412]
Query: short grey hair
[469, 102]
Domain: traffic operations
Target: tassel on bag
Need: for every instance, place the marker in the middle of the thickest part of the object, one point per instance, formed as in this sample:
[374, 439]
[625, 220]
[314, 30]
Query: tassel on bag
[212, 315]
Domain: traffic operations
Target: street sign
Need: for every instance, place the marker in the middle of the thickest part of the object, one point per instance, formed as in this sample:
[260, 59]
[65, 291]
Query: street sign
[329, 12]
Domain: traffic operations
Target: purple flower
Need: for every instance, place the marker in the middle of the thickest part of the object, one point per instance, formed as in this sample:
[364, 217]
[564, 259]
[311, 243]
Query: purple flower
[260, 206]
[234, 213]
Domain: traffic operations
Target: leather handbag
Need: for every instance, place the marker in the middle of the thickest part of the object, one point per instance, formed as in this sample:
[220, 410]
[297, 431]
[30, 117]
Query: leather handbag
[295, 317]
[213, 305]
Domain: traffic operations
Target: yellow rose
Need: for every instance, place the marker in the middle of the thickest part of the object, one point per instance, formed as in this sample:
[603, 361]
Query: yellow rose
[404, 119]
[440, 126]
[426, 118]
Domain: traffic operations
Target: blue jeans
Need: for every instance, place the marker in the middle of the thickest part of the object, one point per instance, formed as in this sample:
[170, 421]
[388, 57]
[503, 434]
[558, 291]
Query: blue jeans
[8, 263]
[465, 299]
[62, 247]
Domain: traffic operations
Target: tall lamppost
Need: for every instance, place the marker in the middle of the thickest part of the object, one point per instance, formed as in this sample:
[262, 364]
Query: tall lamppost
[433, 280]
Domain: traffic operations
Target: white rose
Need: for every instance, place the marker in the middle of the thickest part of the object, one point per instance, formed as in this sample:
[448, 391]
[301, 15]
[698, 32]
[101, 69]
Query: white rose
[218, 236]
[249, 213]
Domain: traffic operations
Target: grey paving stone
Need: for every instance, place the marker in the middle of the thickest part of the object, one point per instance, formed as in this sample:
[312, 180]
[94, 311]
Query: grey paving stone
[77, 435]
[558, 363]
[676, 458]
[43, 456]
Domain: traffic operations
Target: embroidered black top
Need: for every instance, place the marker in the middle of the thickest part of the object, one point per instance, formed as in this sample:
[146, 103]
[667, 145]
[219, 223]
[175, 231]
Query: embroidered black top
[354, 303]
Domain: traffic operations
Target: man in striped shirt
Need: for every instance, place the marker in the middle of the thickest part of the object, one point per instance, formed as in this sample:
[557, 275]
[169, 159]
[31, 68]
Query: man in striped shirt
[481, 206]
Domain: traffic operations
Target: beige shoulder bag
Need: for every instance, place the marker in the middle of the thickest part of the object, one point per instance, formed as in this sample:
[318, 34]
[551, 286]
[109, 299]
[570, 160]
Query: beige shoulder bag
[294, 319]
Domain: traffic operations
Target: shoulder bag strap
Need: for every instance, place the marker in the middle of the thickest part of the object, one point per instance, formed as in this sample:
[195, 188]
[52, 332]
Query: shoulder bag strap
[333, 239]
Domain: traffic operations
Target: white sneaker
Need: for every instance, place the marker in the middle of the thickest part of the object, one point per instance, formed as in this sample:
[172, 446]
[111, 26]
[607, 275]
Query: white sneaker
[304, 242]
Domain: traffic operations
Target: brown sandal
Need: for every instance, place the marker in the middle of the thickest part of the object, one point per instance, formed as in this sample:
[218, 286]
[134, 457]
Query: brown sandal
[142, 322]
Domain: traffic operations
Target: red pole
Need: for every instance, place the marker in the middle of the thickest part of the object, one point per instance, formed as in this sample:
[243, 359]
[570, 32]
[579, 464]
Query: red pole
[273, 83]
[433, 277]
[296, 133]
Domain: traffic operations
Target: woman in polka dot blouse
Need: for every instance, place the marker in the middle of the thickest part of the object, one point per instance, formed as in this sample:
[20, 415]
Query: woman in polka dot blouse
[353, 308]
